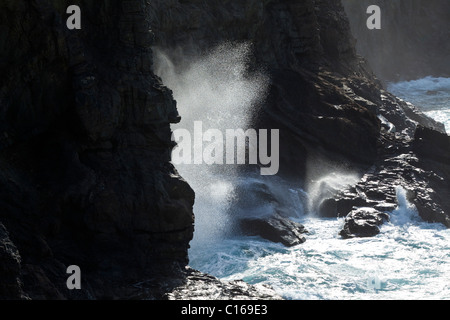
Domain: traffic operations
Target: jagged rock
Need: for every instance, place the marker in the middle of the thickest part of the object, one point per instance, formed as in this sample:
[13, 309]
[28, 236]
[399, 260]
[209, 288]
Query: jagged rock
[274, 228]
[85, 135]
[419, 166]
[420, 172]
[311, 62]
[198, 285]
[190, 284]
[363, 222]
[10, 268]
[85, 173]
[403, 49]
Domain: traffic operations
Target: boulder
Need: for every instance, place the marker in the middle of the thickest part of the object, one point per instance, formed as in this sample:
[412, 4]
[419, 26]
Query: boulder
[275, 228]
[200, 286]
[363, 222]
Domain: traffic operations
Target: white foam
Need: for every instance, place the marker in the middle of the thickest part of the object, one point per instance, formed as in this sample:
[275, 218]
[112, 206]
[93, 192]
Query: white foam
[405, 212]
[442, 116]
[409, 261]
[327, 185]
[430, 94]
[217, 89]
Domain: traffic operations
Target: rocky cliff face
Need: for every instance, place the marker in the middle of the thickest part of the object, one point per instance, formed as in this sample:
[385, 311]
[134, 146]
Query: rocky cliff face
[85, 175]
[413, 40]
[330, 109]
[85, 172]
[307, 49]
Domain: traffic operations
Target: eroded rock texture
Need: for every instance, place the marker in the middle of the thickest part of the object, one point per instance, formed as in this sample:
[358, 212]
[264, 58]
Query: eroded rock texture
[413, 40]
[85, 176]
[330, 109]
[307, 49]
[85, 140]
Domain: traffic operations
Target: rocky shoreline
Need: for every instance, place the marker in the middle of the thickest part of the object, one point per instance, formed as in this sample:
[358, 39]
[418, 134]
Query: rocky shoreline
[412, 41]
[85, 141]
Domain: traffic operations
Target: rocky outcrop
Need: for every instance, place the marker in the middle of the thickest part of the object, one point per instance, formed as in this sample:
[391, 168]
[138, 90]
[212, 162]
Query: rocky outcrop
[323, 97]
[275, 228]
[412, 149]
[416, 164]
[200, 286]
[363, 222]
[85, 139]
[188, 284]
[307, 50]
[412, 42]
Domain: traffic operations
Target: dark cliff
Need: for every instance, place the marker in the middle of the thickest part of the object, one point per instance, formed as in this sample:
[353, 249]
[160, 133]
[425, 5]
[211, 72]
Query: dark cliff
[85, 172]
[85, 175]
[413, 40]
[308, 50]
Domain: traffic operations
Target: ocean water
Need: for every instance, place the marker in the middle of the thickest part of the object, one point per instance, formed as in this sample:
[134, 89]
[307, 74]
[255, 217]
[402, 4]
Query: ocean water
[409, 259]
[430, 94]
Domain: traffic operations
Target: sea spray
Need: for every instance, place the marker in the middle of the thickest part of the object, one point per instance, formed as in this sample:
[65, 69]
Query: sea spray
[405, 212]
[232, 147]
[326, 187]
[217, 89]
[409, 259]
[430, 94]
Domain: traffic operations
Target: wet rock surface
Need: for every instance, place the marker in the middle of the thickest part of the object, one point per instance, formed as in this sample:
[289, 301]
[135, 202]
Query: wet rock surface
[198, 285]
[416, 168]
[411, 43]
[275, 228]
[363, 222]
[85, 173]
[85, 140]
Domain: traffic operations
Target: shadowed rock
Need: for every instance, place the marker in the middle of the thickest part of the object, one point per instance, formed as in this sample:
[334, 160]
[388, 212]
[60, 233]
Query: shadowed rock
[10, 268]
[85, 135]
[275, 228]
[363, 222]
[206, 287]
[412, 42]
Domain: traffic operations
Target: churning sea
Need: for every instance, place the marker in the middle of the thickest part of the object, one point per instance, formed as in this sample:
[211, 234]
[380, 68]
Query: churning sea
[409, 259]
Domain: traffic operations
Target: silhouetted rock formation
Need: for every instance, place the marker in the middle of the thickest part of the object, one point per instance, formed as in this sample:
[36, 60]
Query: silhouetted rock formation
[323, 97]
[85, 173]
[85, 139]
[413, 40]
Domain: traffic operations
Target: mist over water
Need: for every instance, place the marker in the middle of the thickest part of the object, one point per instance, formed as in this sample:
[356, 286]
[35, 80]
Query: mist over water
[409, 259]
[326, 186]
[218, 89]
